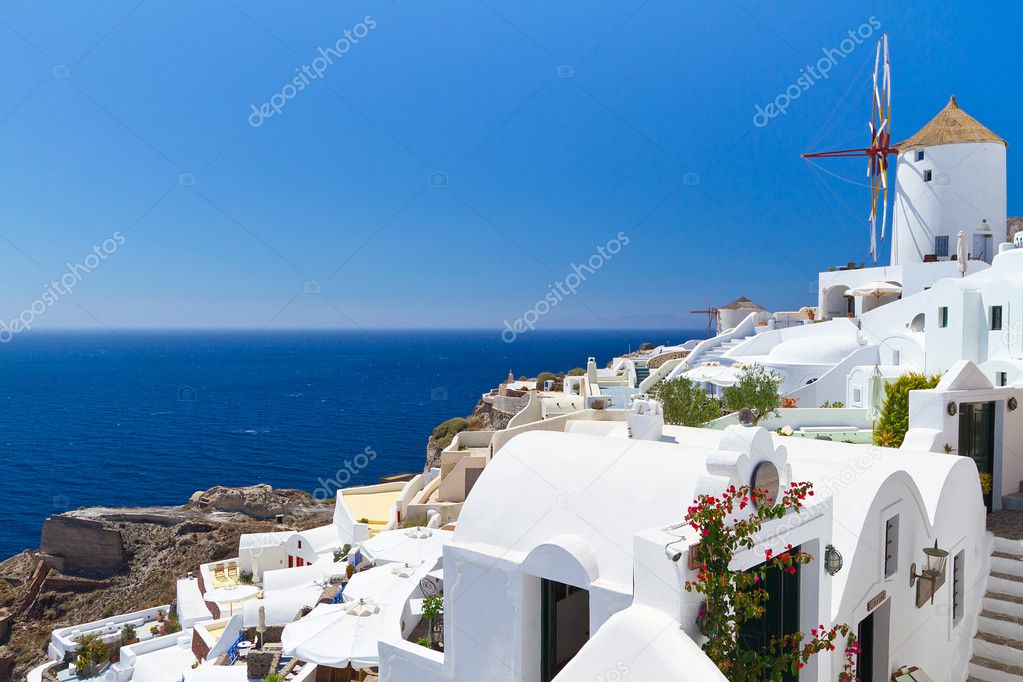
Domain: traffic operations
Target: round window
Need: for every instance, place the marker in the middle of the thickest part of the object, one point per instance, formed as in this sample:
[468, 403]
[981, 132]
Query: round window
[765, 476]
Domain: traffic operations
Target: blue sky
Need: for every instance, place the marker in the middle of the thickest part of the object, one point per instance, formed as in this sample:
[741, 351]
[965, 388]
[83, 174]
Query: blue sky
[441, 173]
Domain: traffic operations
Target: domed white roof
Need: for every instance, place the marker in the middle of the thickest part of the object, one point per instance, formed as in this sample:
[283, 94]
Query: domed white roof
[814, 350]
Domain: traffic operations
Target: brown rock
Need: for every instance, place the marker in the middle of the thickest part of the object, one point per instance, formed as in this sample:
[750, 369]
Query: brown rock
[83, 547]
[258, 501]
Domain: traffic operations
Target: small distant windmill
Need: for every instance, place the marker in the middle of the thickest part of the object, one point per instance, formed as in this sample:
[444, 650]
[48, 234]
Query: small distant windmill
[880, 144]
[712, 319]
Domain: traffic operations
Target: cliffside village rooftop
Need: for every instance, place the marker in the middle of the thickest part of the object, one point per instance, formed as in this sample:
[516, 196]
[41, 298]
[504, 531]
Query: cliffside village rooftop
[558, 542]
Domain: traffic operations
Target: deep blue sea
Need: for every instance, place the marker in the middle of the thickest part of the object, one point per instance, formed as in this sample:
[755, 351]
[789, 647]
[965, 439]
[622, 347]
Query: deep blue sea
[141, 418]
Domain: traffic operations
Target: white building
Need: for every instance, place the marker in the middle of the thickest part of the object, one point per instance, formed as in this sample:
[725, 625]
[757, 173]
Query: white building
[571, 576]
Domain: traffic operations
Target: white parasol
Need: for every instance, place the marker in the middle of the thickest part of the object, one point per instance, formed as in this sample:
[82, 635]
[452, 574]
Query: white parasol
[231, 594]
[331, 636]
[962, 252]
[876, 289]
[714, 374]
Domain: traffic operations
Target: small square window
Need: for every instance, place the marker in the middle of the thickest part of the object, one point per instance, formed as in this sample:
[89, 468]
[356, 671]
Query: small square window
[996, 318]
[927, 176]
[896, 357]
[919, 154]
[941, 246]
[943, 316]
[857, 396]
[1003, 378]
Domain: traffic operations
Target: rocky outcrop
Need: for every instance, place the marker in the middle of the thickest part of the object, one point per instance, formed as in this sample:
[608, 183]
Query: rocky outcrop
[159, 544]
[1013, 224]
[258, 501]
[483, 418]
[82, 547]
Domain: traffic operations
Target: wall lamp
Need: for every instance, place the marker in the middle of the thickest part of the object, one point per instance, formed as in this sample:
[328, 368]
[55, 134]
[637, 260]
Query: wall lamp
[832, 560]
[934, 571]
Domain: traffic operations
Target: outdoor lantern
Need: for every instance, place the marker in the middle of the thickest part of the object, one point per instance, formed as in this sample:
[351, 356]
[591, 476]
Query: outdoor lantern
[952, 409]
[1013, 403]
[935, 568]
[832, 560]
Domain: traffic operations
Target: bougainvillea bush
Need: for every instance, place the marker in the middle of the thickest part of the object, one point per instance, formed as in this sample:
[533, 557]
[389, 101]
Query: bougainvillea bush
[727, 524]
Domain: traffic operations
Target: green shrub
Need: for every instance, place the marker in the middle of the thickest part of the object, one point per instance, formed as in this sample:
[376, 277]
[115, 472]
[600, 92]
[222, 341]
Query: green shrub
[413, 522]
[92, 652]
[433, 606]
[890, 429]
[446, 432]
[833, 403]
[757, 390]
[423, 641]
[274, 677]
[686, 403]
[576, 372]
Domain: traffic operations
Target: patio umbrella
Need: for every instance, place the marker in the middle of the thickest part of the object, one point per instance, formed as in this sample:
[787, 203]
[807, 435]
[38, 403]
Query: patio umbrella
[962, 252]
[876, 290]
[408, 545]
[231, 594]
[714, 374]
[875, 394]
[331, 636]
[382, 584]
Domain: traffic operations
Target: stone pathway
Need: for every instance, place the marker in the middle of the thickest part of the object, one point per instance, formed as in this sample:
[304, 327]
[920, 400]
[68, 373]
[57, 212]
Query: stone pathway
[1006, 524]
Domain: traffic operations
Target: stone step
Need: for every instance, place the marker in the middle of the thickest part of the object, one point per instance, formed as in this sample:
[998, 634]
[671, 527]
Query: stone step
[1005, 583]
[1005, 625]
[1003, 603]
[1002, 650]
[1006, 562]
[1008, 546]
[986, 670]
[1012, 502]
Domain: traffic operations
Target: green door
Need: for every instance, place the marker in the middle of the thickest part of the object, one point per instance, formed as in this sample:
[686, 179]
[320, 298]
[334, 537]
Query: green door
[865, 659]
[977, 438]
[781, 614]
[564, 625]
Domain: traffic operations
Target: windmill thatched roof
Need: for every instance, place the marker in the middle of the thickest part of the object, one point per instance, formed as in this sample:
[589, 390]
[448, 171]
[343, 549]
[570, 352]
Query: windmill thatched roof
[741, 303]
[952, 125]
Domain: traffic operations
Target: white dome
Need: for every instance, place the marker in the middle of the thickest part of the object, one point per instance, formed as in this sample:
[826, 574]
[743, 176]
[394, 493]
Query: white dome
[818, 350]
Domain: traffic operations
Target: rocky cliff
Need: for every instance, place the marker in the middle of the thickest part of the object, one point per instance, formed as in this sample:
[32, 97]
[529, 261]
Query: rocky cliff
[98, 562]
[483, 418]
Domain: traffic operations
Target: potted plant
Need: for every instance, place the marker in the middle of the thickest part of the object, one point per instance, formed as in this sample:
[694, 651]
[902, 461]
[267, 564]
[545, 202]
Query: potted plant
[92, 652]
[128, 634]
[160, 615]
